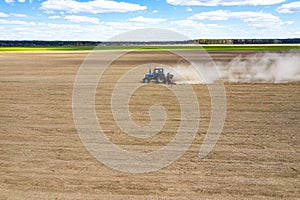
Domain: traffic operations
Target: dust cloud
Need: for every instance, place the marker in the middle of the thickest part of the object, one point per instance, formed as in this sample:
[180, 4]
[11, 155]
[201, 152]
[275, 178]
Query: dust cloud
[256, 68]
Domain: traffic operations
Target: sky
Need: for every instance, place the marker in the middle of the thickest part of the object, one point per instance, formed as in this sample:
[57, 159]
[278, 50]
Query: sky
[99, 20]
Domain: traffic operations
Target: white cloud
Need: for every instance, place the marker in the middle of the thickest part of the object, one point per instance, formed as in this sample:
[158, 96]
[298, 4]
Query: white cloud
[11, 1]
[118, 27]
[255, 19]
[65, 27]
[17, 22]
[54, 17]
[155, 11]
[3, 15]
[46, 31]
[289, 8]
[76, 18]
[94, 6]
[191, 24]
[142, 19]
[18, 15]
[105, 30]
[189, 9]
[213, 15]
[223, 2]
[22, 29]
[12, 15]
[195, 29]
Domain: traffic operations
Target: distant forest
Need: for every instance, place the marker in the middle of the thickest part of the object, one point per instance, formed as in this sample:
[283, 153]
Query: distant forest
[248, 41]
[37, 43]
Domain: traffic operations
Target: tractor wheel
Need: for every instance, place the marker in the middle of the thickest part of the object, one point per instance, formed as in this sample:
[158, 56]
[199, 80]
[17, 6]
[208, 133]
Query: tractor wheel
[146, 80]
[161, 79]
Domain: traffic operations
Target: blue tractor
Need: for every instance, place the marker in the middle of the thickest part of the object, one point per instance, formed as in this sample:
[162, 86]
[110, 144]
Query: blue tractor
[158, 76]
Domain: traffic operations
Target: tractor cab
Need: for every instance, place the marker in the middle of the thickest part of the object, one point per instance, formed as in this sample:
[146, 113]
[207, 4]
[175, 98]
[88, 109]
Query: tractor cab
[155, 72]
[158, 71]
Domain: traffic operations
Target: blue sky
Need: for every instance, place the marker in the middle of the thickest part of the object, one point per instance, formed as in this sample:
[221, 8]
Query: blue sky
[98, 20]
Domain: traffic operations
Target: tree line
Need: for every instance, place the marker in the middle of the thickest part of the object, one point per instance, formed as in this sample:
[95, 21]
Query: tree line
[248, 41]
[33, 43]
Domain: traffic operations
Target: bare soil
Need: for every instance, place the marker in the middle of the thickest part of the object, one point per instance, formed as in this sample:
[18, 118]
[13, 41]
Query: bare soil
[42, 157]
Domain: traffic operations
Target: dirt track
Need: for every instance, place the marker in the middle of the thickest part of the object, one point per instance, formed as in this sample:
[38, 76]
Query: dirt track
[42, 156]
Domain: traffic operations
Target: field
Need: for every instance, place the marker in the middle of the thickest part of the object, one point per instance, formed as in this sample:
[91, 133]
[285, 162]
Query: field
[42, 157]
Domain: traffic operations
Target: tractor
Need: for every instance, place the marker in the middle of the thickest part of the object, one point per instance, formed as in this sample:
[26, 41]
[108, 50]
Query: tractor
[158, 76]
